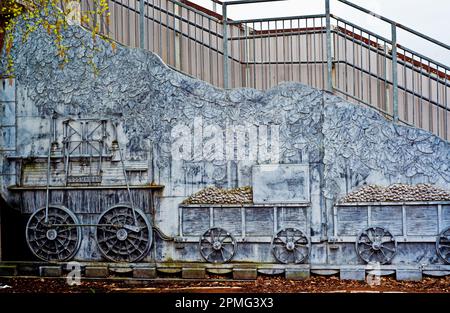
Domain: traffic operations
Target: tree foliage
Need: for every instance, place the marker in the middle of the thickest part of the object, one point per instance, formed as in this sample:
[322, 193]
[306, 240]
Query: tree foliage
[51, 15]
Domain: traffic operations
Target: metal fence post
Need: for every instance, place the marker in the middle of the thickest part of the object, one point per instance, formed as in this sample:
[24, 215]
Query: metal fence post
[225, 46]
[394, 73]
[329, 53]
[141, 24]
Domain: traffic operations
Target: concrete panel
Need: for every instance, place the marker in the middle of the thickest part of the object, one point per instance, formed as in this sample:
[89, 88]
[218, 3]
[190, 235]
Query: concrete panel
[409, 275]
[7, 90]
[244, 273]
[195, 221]
[50, 271]
[96, 271]
[352, 274]
[297, 274]
[7, 270]
[7, 113]
[229, 219]
[281, 183]
[193, 273]
[144, 272]
[421, 220]
[8, 138]
[351, 220]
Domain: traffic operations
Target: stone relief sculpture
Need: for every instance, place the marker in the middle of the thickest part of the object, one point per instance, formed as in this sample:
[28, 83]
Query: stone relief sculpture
[342, 145]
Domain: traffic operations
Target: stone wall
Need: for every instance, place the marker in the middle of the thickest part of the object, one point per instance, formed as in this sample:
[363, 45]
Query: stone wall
[345, 145]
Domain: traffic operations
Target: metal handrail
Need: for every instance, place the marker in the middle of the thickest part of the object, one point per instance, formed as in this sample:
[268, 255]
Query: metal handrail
[385, 19]
[230, 46]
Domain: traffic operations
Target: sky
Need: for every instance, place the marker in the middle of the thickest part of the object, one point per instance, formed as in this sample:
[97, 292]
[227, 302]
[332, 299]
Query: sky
[430, 17]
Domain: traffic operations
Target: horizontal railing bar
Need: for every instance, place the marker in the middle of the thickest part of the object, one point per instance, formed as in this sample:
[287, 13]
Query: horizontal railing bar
[286, 62]
[217, 1]
[424, 72]
[285, 35]
[136, 10]
[385, 19]
[424, 99]
[364, 102]
[182, 19]
[187, 7]
[275, 19]
[248, 2]
[340, 19]
[424, 57]
[388, 41]
[195, 40]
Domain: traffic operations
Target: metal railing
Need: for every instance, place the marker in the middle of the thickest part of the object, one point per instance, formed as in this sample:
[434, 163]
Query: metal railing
[324, 51]
[410, 87]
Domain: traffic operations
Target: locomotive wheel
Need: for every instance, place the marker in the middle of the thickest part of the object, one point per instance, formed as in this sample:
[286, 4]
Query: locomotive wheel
[290, 246]
[119, 239]
[217, 245]
[376, 245]
[443, 245]
[55, 240]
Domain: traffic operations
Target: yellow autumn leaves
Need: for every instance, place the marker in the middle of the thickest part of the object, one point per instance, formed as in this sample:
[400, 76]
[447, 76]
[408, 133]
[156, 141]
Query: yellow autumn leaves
[51, 15]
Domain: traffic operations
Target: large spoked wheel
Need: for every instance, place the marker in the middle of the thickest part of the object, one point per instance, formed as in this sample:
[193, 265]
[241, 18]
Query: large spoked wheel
[290, 246]
[119, 239]
[217, 245]
[443, 245]
[58, 238]
[376, 245]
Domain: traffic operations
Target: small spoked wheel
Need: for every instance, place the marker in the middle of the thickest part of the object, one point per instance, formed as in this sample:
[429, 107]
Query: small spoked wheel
[290, 246]
[443, 245]
[55, 239]
[376, 245]
[217, 245]
[119, 238]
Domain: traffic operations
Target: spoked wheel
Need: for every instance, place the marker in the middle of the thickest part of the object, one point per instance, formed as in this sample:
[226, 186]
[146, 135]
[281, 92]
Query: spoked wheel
[376, 245]
[443, 245]
[119, 238]
[217, 245]
[56, 239]
[290, 246]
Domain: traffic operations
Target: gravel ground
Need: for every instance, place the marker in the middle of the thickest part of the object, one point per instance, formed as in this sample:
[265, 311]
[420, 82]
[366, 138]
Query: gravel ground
[317, 284]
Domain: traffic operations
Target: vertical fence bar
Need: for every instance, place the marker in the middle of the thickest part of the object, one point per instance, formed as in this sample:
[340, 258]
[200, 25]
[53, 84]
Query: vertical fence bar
[263, 64]
[446, 104]
[394, 73]
[269, 84]
[225, 46]
[329, 60]
[141, 24]
[254, 55]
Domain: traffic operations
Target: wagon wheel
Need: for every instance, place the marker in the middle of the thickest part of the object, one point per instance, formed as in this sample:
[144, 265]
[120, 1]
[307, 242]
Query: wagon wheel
[119, 239]
[376, 245]
[290, 245]
[217, 245]
[58, 239]
[443, 245]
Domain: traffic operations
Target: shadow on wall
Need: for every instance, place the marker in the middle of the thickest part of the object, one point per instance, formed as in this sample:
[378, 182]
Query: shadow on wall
[13, 243]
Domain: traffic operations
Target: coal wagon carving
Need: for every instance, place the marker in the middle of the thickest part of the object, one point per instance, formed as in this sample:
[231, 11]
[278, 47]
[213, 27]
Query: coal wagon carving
[230, 232]
[384, 222]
